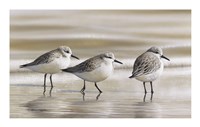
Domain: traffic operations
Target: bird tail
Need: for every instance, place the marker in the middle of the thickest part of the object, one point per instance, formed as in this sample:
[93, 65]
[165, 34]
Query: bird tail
[132, 76]
[67, 70]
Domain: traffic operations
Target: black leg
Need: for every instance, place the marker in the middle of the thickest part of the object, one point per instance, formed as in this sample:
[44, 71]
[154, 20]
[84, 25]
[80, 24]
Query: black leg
[83, 89]
[97, 97]
[51, 80]
[145, 91]
[51, 84]
[151, 91]
[151, 88]
[151, 97]
[97, 87]
[144, 98]
[45, 75]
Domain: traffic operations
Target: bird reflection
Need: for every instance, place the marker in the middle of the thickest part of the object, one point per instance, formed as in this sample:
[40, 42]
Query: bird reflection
[144, 98]
[83, 93]
[97, 97]
[147, 110]
[50, 91]
[42, 106]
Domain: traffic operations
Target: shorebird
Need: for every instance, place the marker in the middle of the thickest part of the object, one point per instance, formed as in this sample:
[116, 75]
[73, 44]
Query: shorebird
[149, 66]
[51, 62]
[95, 69]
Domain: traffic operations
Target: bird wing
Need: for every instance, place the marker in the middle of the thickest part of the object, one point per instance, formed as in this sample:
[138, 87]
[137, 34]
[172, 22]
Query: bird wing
[45, 58]
[86, 66]
[145, 64]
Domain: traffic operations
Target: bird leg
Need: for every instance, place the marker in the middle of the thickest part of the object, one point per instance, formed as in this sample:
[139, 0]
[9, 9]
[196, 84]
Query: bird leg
[51, 84]
[83, 89]
[151, 88]
[144, 98]
[97, 97]
[97, 87]
[151, 97]
[145, 91]
[45, 75]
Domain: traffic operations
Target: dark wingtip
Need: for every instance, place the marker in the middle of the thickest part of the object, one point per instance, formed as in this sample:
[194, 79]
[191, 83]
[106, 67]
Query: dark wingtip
[131, 76]
[21, 66]
[64, 70]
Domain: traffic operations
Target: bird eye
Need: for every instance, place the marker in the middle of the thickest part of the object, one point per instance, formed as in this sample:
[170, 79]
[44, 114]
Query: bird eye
[67, 51]
[109, 57]
[157, 52]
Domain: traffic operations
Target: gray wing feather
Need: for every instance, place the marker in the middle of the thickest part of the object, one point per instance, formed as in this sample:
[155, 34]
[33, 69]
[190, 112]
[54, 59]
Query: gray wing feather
[86, 66]
[45, 58]
[145, 64]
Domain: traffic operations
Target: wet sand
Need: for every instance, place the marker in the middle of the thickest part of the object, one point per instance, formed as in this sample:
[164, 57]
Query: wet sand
[121, 97]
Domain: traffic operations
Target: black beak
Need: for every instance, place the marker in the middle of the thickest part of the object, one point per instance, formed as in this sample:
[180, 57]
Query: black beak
[74, 56]
[165, 57]
[118, 61]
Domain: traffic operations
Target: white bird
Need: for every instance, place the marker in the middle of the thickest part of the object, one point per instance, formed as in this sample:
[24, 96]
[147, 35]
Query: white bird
[51, 62]
[95, 69]
[149, 66]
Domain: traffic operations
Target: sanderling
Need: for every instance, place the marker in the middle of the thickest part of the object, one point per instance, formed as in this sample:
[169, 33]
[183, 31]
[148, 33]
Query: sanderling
[149, 66]
[51, 62]
[95, 69]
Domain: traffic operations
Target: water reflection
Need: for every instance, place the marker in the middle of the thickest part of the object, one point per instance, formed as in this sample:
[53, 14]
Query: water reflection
[144, 98]
[59, 107]
[56, 107]
[45, 107]
[45, 85]
[50, 90]
[147, 110]
[97, 97]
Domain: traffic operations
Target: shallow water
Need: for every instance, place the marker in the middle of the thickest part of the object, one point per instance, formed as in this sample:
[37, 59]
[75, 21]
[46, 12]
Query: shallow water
[125, 33]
